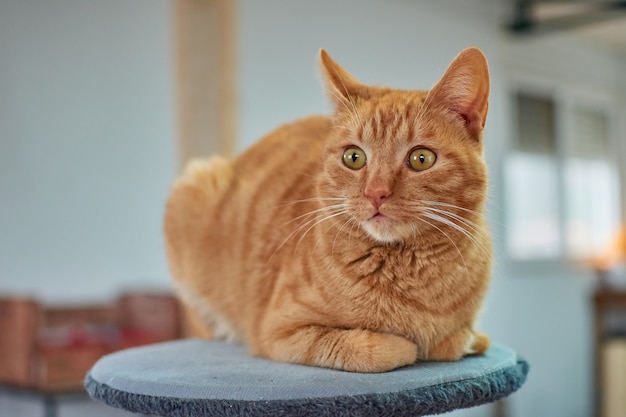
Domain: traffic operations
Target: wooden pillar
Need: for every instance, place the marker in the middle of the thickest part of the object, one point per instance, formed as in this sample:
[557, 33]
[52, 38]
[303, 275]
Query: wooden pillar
[204, 44]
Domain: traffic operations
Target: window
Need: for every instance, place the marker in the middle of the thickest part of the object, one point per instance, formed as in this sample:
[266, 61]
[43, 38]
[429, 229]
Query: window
[591, 182]
[531, 177]
[562, 190]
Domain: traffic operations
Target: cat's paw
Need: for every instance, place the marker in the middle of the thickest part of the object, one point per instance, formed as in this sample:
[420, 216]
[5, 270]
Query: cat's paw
[458, 344]
[383, 352]
[478, 344]
[358, 350]
[352, 350]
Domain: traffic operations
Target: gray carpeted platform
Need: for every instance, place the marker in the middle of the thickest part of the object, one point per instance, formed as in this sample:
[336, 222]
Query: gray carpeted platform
[210, 378]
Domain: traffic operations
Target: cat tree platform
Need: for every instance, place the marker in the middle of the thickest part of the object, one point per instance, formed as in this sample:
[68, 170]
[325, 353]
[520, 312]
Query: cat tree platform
[196, 378]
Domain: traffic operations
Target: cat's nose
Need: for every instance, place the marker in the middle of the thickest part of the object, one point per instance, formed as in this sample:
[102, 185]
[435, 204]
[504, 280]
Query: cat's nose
[377, 194]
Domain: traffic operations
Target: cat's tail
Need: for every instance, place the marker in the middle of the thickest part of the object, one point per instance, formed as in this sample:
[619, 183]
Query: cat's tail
[190, 210]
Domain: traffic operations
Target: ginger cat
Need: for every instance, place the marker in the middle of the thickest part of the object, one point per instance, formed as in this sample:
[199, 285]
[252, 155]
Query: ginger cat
[356, 241]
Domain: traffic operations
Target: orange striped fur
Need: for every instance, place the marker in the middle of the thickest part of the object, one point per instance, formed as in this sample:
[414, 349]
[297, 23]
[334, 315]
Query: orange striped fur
[287, 249]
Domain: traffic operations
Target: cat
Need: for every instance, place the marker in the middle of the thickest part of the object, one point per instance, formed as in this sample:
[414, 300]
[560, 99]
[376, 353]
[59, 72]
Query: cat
[356, 241]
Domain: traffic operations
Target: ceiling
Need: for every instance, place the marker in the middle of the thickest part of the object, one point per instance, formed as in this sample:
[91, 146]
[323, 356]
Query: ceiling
[600, 22]
[611, 34]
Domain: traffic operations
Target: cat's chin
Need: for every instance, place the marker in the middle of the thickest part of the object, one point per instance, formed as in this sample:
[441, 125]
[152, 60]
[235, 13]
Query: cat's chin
[382, 229]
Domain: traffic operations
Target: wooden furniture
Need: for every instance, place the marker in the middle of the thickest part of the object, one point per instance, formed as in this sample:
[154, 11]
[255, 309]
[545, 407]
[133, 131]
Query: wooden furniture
[49, 349]
[610, 325]
[205, 63]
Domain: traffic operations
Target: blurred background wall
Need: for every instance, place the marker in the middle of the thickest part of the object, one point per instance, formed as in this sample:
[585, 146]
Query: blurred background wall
[88, 145]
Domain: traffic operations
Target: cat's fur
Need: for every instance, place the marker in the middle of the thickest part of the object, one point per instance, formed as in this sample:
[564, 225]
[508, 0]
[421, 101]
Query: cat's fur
[287, 250]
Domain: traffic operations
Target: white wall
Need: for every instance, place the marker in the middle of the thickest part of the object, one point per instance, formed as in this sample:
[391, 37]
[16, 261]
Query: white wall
[86, 146]
[398, 43]
[543, 312]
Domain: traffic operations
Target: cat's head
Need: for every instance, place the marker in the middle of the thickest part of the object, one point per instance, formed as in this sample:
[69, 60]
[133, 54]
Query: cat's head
[408, 163]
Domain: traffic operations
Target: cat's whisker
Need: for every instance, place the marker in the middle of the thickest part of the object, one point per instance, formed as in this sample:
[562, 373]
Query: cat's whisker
[354, 224]
[316, 216]
[302, 226]
[449, 238]
[457, 227]
[332, 248]
[421, 113]
[312, 212]
[474, 227]
[318, 222]
[425, 106]
[342, 99]
[321, 237]
[355, 112]
[346, 223]
[318, 213]
[348, 128]
[311, 200]
[468, 223]
[439, 203]
[447, 222]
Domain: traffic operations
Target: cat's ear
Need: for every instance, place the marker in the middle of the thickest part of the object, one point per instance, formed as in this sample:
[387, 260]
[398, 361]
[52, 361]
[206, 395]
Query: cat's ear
[464, 89]
[342, 86]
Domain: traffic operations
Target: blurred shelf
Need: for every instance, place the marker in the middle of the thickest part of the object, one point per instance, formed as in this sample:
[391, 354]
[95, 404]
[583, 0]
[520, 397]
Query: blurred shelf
[609, 305]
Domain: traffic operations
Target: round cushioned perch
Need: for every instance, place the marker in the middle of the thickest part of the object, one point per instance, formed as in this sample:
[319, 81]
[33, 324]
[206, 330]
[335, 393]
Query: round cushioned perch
[211, 378]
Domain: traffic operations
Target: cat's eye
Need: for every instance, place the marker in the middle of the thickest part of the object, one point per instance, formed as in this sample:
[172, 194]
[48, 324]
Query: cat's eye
[420, 159]
[354, 158]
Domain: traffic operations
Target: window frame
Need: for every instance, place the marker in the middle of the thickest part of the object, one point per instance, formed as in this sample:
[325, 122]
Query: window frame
[567, 100]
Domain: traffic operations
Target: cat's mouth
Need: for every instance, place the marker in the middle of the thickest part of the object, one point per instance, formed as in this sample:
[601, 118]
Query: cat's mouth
[378, 216]
[381, 227]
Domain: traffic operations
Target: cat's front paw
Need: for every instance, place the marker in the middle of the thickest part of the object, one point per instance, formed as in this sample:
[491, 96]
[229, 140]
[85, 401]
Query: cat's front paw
[352, 350]
[384, 352]
[461, 343]
[478, 344]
